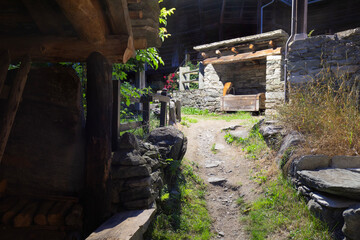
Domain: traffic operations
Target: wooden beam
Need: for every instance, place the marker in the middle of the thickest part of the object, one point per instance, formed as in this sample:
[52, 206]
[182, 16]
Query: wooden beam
[4, 66]
[46, 18]
[204, 55]
[140, 43]
[64, 49]
[272, 44]
[13, 102]
[133, 1]
[87, 19]
[136, 14]
[218, 52]
[119, 17]
[98, 140]
[243, 56]
[252, 47]
[233, 49]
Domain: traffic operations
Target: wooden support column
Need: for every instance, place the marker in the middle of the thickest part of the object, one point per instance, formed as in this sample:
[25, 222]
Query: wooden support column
[201, 75]
[4, 66]
[98, 140]
[163, 109]
[146, 115]
[13, 102]
[115, 114]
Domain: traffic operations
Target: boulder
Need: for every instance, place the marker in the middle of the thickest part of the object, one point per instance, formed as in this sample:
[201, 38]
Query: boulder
[126, 158]
[171, 138]
[240, 133]
[289, 142]
[340, 182]
[351, 227]
[128, 141]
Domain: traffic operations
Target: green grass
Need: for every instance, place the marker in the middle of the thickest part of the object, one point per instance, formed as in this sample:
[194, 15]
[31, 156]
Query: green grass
[281, 210]
[213, 149]
[182, 213]
[195, 111]
[186, 121]
[253, 145]
[217, 116]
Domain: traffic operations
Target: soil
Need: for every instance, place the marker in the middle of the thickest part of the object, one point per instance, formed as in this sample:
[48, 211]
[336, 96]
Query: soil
[228, 163]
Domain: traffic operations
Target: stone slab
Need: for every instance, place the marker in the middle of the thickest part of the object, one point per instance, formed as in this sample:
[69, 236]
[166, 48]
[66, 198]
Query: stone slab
[129, 225]
[345, 162]
[340, 182]
[332, 201]
[311, 162]
[216, 180]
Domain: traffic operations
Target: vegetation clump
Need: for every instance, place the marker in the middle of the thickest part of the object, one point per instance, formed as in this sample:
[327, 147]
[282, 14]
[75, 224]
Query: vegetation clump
[326, 112]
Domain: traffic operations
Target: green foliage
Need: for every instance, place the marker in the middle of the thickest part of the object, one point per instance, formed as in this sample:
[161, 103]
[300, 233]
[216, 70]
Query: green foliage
[281, 210]
[194, 111]
[182, 211]
[164, 14]
[213, 149]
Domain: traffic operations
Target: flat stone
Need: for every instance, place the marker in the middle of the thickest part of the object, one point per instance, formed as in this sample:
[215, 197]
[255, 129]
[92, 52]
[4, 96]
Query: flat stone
[351, 227]
[128, 141]
[345, 162]
[125, 158]
[233, 127]
[311, 162]
[121, 172]
[332, 201]
[340, 182]
[128, 225]
[354, 169]
[243, 133]
[219, 146]
[216, 180]
[212, 164]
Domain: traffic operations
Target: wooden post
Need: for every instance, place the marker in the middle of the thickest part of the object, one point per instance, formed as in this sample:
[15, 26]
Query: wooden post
[201, 75]
[146, 115]
[178, 110]
[13, 102]
[98, 140]
[4, 66]
[115, 114]
[163, 112]
[184, 77]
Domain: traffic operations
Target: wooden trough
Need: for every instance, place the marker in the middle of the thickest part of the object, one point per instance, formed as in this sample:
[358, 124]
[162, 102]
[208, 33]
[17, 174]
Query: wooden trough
[252, 103]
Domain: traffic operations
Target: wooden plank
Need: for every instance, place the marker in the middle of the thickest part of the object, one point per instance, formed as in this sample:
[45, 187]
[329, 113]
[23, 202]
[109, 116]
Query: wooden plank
[191, 81]
[133, 1]
[63, 49]
[136, 14]
[129, 126]
[115, 115]
[4, 66]
[243, 57]
[13, 102]
[242, 102]
[98, 140]
[87, 19]
[161, 98]
[47, 19]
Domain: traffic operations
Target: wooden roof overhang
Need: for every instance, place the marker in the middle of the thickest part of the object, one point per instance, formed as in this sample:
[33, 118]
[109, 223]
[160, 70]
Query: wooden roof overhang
[250, 48]
[69, 30]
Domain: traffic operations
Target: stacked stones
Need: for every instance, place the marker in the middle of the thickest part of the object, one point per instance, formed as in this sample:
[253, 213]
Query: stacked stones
[274, 83]
[311, 58]
[138, 167]
[136, 174]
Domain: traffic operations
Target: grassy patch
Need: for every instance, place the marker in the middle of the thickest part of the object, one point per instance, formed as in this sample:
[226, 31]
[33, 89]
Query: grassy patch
[195, 111]
[186, 121]
[253, 145]
[213, 149]
[182, 210]
[281, 210]
[326, 112]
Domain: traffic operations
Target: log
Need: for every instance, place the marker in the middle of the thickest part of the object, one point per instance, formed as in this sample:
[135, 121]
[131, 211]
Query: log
[13, 102]
[252, 47]
[86, 18]
[56, 215]
[64, 49]
[133, 1]
[272, 44]
[25, 217]
[47, 19]
[218, 52]
[136, 14]
[243, 57]
[7, 203]
[203, 54]
[4, 66]
[233, 49]
[98, 140]
[41, 215]
[75, 217]
[3, 185]
[11, 213]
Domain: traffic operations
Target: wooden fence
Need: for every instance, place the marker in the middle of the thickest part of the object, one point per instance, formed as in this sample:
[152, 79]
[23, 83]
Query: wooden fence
[185, 79]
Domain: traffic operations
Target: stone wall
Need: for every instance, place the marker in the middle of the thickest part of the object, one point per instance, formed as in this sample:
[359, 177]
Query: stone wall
[274, 83]
[338, 54]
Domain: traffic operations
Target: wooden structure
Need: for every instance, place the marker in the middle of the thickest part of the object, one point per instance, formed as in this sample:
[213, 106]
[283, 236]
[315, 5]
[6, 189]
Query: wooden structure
[185, 80]
[96, 32]
[249, 103]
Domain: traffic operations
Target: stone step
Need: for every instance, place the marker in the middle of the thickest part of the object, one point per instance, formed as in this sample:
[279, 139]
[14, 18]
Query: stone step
[129, 225]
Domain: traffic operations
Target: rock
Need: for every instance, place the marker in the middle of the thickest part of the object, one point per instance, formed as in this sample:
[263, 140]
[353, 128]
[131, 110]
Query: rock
[127, 158]
[291, 140]
[233, 127]
[212, 164]
[139, 204]
[152, 154]
[345, 162]
[351, 227]
[128, 141]
[340, 182]
[222, 234]
[309, 162]
[135, 194]
[171, 138]
[153, 163]
[270, 130]
[216, 180]
[332, 201]
[121, 172]
[134, 183]
[219, 146]
[243, 133]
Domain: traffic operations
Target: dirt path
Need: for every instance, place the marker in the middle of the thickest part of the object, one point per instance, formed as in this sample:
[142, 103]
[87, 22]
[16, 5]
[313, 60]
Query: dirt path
[228, 163]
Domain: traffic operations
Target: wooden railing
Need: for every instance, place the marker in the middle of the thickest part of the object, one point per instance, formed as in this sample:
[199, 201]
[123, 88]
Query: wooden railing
[185, 79]
[145, 100]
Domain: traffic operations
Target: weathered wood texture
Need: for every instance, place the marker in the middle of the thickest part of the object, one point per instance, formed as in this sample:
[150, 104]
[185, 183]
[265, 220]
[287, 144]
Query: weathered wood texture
[45, 152]
[115, 115]
[251, 103]
[87, 18]
[13, 102]
[163, 109]
[243, 57]
[98, 139]
[4, 65]
[41, 215]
